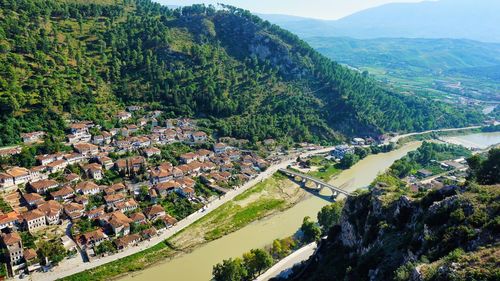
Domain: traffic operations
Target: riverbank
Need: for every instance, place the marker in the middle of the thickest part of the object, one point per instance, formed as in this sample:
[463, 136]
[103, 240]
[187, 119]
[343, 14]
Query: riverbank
[475, 141]
[197, 264]
[269, 197]
[433, 134]
[272, 195]
[111, 266]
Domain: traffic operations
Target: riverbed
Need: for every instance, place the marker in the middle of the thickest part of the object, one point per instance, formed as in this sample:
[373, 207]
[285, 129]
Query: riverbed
[197, 265]
[478, 141]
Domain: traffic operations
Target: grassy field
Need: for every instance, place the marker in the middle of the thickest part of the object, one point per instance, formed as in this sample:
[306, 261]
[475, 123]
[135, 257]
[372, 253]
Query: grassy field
[273, 195]
[131, 263]
[326, 169]
[268, 197]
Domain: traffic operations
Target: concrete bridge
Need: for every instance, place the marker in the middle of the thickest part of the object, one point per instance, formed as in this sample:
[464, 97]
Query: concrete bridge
[319, 185]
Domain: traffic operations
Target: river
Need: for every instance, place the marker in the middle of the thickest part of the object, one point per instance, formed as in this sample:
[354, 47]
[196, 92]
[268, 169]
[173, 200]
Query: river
[479, 140]
[197, 265]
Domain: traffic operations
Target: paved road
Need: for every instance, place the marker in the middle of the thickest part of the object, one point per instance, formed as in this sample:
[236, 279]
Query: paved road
[75, 265]
[397, 138]
[288, 262]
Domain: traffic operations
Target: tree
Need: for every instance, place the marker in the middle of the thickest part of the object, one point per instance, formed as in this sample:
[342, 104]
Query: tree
[277, 249]
[256, 261]
[51, 251]
[310, 230]
[105, 247]
[330, 215]
[361, 152]
[348, 160]
[283, 247]
[230, 270]
[486, 171]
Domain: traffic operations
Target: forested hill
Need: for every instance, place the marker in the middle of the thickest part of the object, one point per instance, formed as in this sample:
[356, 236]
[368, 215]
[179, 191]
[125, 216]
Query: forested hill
[77, 59]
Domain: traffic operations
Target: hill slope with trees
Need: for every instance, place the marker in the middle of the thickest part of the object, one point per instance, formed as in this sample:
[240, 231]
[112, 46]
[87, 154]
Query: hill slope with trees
[85, 60]
[392, 233]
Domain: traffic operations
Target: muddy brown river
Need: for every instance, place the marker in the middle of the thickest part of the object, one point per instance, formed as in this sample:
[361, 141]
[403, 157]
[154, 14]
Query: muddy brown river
[197, 265]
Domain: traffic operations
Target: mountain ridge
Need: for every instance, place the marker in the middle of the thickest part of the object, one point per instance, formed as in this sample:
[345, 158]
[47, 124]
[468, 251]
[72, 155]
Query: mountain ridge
[248, 78]
[463, 19]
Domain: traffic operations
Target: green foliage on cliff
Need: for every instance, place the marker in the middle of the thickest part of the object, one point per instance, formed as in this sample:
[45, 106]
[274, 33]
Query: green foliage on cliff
[85, 59]
[391, 233]
[485, 171]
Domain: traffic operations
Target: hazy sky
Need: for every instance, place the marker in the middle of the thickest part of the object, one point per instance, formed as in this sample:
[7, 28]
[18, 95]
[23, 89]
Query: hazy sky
[323, 9]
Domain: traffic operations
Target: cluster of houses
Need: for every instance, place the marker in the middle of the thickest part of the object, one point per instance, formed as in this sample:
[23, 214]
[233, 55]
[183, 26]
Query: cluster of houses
[50, 194]
[453, 172]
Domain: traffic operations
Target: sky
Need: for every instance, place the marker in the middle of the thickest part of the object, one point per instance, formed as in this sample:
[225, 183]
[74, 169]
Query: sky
[320, 9]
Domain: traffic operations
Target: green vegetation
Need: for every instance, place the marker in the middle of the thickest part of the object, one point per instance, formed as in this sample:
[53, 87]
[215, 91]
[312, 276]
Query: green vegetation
[28, 239]
[485, 171]
[348, 160]
[327, 169]
[48, 250]
[105, 247]
[270, 196]
[330, 215]
[131, 263]
[4, 206]
[83, 60]
[251, 266]
[426, 157]
[426, 67]
[178, 206]
[240, 216]
[310, 230]
[448, 234]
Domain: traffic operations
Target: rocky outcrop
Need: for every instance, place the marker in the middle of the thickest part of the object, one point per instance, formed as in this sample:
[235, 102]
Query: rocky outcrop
[388, 234]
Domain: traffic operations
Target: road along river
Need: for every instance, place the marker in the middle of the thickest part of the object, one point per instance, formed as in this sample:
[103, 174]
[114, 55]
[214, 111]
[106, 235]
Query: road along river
[197, 265]
[479, 140]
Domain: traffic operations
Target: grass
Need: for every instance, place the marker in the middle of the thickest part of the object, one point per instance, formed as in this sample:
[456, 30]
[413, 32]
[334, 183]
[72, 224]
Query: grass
[265, 198]
[239, 217]
[270, 196]
[326, 173]
[135, 262]
[327, 168]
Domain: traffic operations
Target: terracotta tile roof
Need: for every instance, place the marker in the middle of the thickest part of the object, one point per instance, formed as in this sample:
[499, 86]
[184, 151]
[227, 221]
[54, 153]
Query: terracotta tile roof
[17, 172]
[30, 254]
[167, 185]
[64, 191]
[11, 238]
[73, 207]
[32, 197]
[86, 185]
[126, 240]
[153, 210]
[9, 217]
[43, 184]
[137, 217]
[33, 215]
[113, 198]
[50, 208]
[71, 177]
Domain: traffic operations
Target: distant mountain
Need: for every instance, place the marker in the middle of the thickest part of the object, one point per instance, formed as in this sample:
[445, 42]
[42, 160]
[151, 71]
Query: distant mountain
[421, 63]
[459, 19]
[437, 55]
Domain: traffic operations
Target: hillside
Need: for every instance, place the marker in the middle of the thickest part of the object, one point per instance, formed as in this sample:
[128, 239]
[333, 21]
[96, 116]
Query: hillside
[457, 19]
[421, 63]
[84, 60]
[392, 233]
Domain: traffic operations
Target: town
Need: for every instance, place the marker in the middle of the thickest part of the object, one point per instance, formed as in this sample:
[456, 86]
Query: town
[107, 190]
[110, 189]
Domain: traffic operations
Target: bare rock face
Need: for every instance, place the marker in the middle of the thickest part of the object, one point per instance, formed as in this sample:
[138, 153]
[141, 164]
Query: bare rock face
[381, 232]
